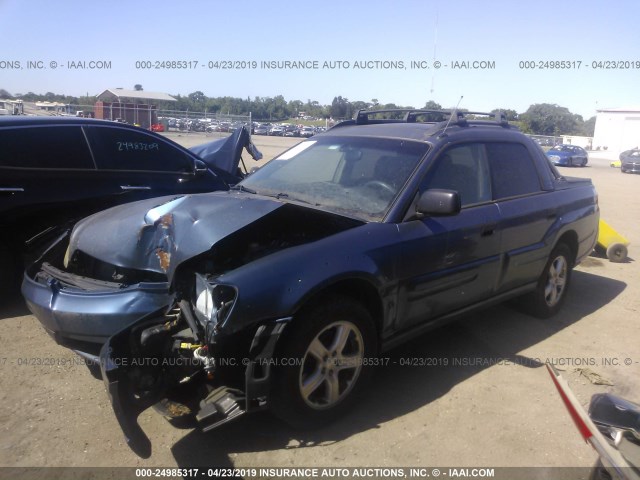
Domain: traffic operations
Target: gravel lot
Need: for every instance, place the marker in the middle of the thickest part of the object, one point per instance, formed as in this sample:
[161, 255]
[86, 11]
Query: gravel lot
[472, 412]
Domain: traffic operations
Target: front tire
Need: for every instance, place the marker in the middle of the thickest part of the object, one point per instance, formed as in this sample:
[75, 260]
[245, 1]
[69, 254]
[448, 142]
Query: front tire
[324, 363]
[553, 284]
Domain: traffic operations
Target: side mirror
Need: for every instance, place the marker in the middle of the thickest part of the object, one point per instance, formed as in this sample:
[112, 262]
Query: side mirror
[200, 167]
[438, 202]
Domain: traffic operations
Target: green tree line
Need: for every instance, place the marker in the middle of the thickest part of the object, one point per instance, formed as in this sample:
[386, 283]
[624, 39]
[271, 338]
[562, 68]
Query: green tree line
[539, 119]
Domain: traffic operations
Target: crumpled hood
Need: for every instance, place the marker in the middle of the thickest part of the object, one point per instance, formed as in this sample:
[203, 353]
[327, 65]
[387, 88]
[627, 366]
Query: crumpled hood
[160, 233]
[226, 153]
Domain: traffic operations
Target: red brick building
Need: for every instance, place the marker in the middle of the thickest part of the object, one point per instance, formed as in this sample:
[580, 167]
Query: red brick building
[132, 106]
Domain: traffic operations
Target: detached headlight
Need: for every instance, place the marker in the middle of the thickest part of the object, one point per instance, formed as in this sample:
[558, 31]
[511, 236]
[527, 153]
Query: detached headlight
[213, 302]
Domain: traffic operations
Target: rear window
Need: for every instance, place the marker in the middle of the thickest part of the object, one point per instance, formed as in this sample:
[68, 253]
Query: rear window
[122, 149]
[45, 148]
[513, 172]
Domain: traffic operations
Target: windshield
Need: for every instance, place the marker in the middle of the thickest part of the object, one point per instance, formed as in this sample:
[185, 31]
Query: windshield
[356, 176]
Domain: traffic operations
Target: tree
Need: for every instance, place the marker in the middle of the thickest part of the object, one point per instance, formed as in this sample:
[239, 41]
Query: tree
[431, 105]
[340, 108]
[511, 114]
[548, 119]
[433, 117]
[588, 127]
[137, 87]
[359, 105]
[5, 94]
[197, 97]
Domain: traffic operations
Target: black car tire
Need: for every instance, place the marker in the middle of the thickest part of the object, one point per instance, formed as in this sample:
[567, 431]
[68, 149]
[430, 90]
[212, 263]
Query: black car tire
[335, 332]
[550, 293]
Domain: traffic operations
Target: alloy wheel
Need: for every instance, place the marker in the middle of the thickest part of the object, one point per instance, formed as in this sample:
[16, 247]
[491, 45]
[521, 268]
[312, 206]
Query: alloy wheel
[556, 281]
[331, 365]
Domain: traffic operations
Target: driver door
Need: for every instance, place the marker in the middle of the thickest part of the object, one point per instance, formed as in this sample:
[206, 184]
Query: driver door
[450, 262]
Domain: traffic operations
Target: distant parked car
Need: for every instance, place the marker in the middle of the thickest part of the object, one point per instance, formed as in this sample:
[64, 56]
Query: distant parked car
[568, 156]
[157, 127]
[630, 161]
[277, 131]
[56, 170]
[291, 131]
[307, 132]
[262, 129]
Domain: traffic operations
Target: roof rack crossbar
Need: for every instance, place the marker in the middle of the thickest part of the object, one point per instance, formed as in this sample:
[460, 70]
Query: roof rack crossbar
[410, 114]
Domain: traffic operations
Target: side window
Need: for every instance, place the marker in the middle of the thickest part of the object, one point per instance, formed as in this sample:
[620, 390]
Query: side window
[462, 168]
[45, 148]
[122, 149]
[512, 170]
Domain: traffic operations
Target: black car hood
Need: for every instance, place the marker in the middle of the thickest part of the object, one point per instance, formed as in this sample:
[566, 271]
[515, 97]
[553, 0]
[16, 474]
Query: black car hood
[159, 234]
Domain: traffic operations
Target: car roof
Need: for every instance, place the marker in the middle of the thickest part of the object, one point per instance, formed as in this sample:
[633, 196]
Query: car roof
[27, 120]
[404, 124]
[419, 131]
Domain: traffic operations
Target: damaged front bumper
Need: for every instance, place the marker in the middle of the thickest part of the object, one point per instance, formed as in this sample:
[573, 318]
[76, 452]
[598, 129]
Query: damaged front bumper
[163, 368]
[81, 313]
[83, 319]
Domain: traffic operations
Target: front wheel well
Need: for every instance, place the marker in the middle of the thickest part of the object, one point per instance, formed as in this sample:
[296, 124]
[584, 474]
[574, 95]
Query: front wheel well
[359, 290]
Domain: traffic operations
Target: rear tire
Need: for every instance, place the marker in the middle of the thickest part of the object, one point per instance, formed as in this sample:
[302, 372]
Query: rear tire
[553, 284]
[326, 362]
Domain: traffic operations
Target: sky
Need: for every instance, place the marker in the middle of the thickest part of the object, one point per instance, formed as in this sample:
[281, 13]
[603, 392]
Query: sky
[493, 53]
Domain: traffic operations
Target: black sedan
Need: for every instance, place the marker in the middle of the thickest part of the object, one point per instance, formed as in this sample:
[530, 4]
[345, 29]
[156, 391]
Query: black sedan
[54, 171]
[281, 292]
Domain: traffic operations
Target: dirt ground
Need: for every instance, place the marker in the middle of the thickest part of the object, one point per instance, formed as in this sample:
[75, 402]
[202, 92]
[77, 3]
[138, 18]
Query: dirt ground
[492, 405]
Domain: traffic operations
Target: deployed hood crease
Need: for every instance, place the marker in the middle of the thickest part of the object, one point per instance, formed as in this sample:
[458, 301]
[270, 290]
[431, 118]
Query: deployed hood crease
[155, 235]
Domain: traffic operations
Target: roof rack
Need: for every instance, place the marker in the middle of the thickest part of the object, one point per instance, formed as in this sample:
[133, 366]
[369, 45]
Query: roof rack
[410, 115]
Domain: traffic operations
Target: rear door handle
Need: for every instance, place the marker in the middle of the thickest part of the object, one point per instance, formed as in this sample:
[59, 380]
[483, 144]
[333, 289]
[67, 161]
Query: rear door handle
[134, 187]
[488, 232]
[11, 189]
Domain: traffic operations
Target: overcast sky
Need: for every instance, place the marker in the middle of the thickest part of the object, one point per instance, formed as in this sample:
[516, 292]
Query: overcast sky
[383, 38]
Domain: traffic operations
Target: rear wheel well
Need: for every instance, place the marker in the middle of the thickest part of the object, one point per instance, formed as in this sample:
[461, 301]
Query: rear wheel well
[570, 239]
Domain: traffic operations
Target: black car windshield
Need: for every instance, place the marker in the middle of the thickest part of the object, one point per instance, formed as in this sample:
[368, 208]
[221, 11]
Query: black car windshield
[355, 176]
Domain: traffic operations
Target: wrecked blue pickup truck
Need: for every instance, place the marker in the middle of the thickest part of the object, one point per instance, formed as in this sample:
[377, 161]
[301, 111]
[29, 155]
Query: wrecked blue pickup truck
[277, 293]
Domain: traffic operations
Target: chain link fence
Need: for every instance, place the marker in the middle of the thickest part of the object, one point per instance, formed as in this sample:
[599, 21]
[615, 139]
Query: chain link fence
[144, 115]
